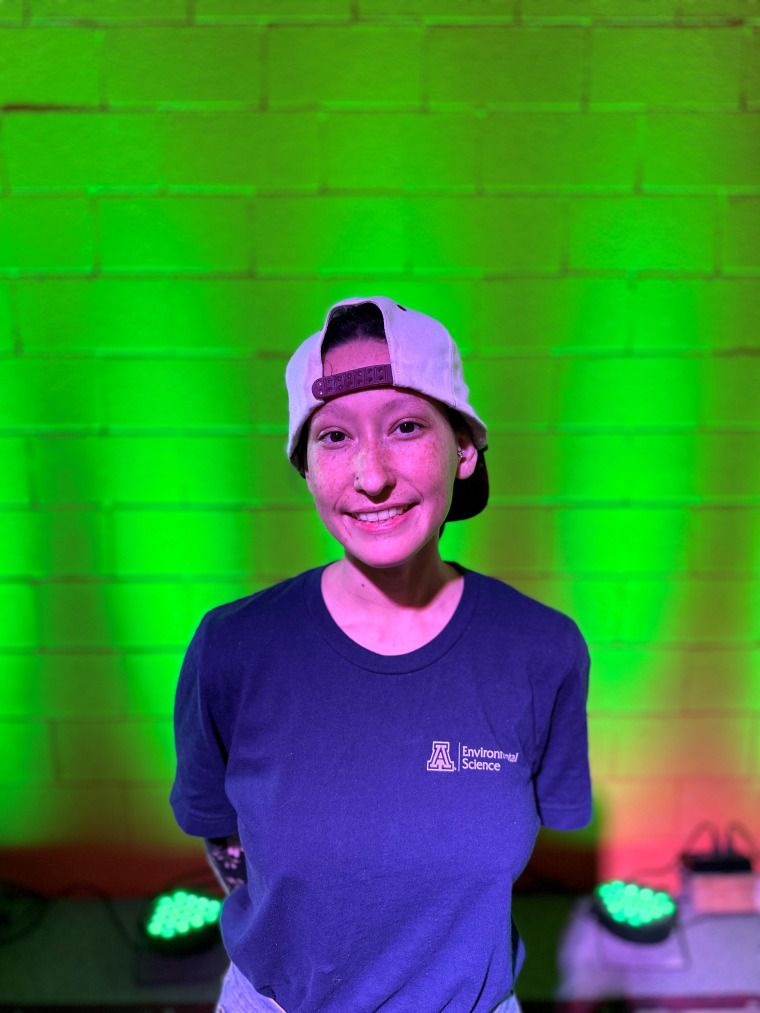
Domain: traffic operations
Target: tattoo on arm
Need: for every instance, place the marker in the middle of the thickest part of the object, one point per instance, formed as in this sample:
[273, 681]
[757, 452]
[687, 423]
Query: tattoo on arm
[227, 859]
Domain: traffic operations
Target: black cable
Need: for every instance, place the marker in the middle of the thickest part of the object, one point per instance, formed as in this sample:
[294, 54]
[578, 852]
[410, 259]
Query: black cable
[41, 905]
[107, 900]
[735, 825]
[39, 908]
[659, 871]
[44, 905]
[693, 836]
[698, 829]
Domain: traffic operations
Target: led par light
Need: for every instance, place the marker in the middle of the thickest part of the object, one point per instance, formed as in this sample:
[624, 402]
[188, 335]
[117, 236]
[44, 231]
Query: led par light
[636, 913]
[182, 922]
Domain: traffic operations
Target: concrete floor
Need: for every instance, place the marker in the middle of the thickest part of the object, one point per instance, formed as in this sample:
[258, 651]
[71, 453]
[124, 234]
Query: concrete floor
[78, 955]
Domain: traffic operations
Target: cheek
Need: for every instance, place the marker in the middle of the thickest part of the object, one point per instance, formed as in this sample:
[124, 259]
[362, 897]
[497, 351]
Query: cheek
[440, 460]
[323, 478]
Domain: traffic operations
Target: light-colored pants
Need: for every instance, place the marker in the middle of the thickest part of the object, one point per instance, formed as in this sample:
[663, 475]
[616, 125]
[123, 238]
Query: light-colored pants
[239, 996]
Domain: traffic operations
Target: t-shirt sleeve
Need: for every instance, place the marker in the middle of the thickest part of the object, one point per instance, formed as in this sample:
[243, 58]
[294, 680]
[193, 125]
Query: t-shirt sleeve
[198, 796]
[562, 779]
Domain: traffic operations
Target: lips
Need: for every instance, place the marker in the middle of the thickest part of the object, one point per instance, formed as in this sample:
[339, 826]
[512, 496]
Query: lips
[377, 516]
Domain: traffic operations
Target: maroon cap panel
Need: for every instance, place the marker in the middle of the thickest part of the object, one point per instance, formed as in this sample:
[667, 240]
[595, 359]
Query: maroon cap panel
[364, 378]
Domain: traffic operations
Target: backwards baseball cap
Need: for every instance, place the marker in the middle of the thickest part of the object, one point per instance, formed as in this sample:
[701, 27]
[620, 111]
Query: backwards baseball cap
[423, 358]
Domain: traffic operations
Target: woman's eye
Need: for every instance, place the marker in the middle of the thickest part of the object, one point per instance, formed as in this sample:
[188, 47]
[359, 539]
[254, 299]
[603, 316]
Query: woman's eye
[334, 436]
[408, 427]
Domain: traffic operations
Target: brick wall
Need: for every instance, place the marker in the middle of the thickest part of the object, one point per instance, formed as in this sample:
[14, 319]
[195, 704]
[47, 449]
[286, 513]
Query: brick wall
[573, 186]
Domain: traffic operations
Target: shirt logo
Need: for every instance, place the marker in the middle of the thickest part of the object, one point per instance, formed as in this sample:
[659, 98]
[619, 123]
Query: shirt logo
[468, 758]
[440, 758]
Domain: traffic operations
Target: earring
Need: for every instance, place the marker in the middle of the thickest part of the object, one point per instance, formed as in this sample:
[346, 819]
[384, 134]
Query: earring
[460, 455]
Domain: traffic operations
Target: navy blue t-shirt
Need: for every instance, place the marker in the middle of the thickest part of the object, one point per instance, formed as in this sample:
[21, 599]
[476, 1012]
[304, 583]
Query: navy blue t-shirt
[385, 804]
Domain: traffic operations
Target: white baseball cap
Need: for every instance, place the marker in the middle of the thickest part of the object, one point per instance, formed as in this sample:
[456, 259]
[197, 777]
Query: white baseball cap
[424, 358]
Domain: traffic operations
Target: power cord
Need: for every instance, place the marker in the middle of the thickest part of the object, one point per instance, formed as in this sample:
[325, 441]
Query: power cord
[691, 839]
[21, 896]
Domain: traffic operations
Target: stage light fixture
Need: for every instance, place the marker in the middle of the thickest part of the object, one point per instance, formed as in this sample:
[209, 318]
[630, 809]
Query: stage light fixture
[182, 922]
[633, 912]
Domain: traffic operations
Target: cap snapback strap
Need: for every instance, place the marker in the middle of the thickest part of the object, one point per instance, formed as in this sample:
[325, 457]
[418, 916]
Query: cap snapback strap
[364, 378]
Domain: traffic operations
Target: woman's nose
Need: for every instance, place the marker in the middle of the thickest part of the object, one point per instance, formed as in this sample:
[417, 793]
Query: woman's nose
[373, 474]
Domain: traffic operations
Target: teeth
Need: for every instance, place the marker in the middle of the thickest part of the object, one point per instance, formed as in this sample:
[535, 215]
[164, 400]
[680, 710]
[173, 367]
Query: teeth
[381, 515]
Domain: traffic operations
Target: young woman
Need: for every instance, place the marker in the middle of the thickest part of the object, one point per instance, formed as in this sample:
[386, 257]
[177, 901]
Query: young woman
[370, 747]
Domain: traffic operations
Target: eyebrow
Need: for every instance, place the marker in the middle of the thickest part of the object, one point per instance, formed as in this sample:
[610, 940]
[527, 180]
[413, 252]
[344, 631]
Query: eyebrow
[401, 402]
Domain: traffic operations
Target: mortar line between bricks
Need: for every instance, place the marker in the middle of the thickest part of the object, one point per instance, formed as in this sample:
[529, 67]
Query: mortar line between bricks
[262, 50]
[32, 471]
[505, 353]
[5, 185]
[56, 765]
[572, 274]
[738, 579]
[681, 646]
[423, 97]
[17, 348]
[108, 274]
[744, 70]
[47, 431]
[721, 208]
[323, 124]
[471, 190]
[42, 21]
[110, 651]
[586, 69]
[641, 122]
[692, 503]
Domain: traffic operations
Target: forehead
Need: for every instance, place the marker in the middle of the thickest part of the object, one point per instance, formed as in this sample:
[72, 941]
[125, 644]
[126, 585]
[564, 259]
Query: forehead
[357, 353]
[377, 404]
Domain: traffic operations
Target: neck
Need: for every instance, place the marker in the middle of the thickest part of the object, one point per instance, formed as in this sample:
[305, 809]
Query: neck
[412, 585]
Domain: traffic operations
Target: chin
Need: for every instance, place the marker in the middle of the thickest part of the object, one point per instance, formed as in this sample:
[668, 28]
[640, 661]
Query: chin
[384, 549]
[386, 557]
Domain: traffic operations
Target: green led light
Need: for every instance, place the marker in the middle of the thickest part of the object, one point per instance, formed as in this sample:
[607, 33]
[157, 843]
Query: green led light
[637, 913]
[632, 903]
[182, 921]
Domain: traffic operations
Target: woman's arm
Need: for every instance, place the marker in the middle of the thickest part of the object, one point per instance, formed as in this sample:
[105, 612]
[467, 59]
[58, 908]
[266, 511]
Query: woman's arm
[227, 859]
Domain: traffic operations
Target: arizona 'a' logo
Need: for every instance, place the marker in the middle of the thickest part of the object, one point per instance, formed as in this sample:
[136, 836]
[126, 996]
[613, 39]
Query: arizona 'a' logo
[440, 758]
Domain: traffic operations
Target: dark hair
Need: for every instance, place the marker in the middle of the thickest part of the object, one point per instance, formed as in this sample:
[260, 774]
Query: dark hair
[347, 323]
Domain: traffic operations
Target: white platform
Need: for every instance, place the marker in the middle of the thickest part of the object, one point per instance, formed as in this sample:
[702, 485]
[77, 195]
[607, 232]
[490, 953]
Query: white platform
[705, 955]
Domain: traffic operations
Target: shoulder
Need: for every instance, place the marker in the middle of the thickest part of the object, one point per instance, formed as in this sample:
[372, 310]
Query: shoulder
[268, 609]
[505, 610]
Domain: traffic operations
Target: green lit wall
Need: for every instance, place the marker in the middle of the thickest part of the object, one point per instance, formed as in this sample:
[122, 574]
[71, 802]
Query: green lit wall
[573, 186]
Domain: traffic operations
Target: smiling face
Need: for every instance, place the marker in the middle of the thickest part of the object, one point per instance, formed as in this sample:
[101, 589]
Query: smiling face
[381, 465]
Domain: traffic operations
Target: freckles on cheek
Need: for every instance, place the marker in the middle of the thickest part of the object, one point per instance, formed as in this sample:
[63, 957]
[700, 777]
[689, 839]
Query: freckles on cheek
[325, 476]
[439, 457]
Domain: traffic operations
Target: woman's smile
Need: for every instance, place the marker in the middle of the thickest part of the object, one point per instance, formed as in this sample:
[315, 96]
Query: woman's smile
[381, 515]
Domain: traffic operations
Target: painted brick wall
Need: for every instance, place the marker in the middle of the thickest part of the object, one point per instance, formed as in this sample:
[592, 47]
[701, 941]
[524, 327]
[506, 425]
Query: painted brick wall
[573, 186]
